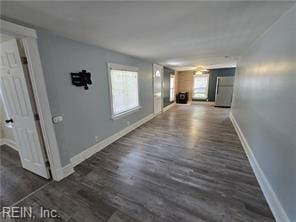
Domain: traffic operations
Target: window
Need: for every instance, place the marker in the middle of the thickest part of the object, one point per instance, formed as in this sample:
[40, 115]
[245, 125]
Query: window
[157, 74]
[200, 86]
[124, 89]
[172, 88]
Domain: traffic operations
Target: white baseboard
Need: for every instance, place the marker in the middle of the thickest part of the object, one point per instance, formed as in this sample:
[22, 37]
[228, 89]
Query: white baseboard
[168, 107]
[8, 142]
[202, 103]
[271, 198]
[101, 145]
[63, 172]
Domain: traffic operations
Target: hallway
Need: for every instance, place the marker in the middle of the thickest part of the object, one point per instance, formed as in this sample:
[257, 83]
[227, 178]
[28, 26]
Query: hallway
[186, 164]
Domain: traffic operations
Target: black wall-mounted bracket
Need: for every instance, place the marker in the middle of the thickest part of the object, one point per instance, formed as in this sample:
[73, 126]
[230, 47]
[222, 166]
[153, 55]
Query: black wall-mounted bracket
[82, 78]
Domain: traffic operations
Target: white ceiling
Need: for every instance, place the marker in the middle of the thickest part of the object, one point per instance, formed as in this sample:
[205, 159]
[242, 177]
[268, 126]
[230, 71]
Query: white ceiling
[180, 35]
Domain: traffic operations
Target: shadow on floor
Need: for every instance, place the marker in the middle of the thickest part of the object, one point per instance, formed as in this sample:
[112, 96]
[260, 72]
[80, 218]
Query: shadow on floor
[186, 164]
[16, 182]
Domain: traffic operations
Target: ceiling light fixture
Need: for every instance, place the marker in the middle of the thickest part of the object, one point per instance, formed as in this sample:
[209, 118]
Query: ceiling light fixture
[200, 70]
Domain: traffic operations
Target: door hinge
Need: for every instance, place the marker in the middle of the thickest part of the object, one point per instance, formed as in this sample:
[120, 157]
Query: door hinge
[36, 116]
[47, 164]
[24, 60]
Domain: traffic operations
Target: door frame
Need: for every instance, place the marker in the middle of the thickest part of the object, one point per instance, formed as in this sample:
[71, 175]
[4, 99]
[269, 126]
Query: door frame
[29, 38]
[161, 79]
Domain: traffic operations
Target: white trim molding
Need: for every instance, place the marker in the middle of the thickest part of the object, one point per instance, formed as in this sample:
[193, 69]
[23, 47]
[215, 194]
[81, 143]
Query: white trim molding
[29, 40]
[271, 198]
[17, 30]
[42, 104]
[168, 107]
[104, 143]
[113, 66]
[65, 171]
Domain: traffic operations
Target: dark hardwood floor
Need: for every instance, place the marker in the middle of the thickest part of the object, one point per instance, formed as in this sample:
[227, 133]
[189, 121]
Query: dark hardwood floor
[15, 182]
[186, 164]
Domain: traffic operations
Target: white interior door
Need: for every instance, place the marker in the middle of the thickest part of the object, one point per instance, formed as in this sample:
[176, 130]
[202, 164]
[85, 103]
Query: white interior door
[17, 101]
[157, 76]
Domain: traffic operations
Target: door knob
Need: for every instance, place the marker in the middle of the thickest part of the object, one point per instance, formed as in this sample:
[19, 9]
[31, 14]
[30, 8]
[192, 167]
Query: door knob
[9, 121]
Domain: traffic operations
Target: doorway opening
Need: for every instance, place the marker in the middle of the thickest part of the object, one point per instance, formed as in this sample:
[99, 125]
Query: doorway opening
[25, 97]
[20, 108]
[23, 159]
[157, 88]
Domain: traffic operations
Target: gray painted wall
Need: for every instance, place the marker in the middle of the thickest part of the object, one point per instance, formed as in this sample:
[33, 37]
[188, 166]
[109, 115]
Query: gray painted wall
[265, 106]
[86, 113]
[214, 73]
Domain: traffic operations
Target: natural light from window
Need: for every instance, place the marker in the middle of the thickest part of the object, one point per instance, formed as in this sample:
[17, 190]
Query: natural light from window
[200, 86]
[124, 90]
[172, 88]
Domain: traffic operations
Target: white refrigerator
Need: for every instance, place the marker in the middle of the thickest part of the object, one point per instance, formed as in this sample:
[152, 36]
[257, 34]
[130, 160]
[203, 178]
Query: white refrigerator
[224, 90]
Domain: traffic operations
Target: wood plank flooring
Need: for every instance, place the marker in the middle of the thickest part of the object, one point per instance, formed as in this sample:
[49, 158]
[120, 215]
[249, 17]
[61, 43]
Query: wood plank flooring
[186, 164]
[15, 182]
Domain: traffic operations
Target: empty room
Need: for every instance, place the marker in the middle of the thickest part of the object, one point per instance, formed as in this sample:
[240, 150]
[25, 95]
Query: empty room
[148, 111]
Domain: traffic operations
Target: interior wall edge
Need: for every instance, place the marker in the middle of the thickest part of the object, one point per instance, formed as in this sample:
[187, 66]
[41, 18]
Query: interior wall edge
[273, 201]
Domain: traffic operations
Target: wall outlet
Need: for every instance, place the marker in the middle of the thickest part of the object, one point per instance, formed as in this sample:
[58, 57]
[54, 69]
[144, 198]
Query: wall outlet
[57, 119]
[97, 138]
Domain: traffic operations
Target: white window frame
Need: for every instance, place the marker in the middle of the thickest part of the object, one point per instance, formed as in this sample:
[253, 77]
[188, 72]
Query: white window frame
[124, 68]
[207, 88]
[173, 96]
